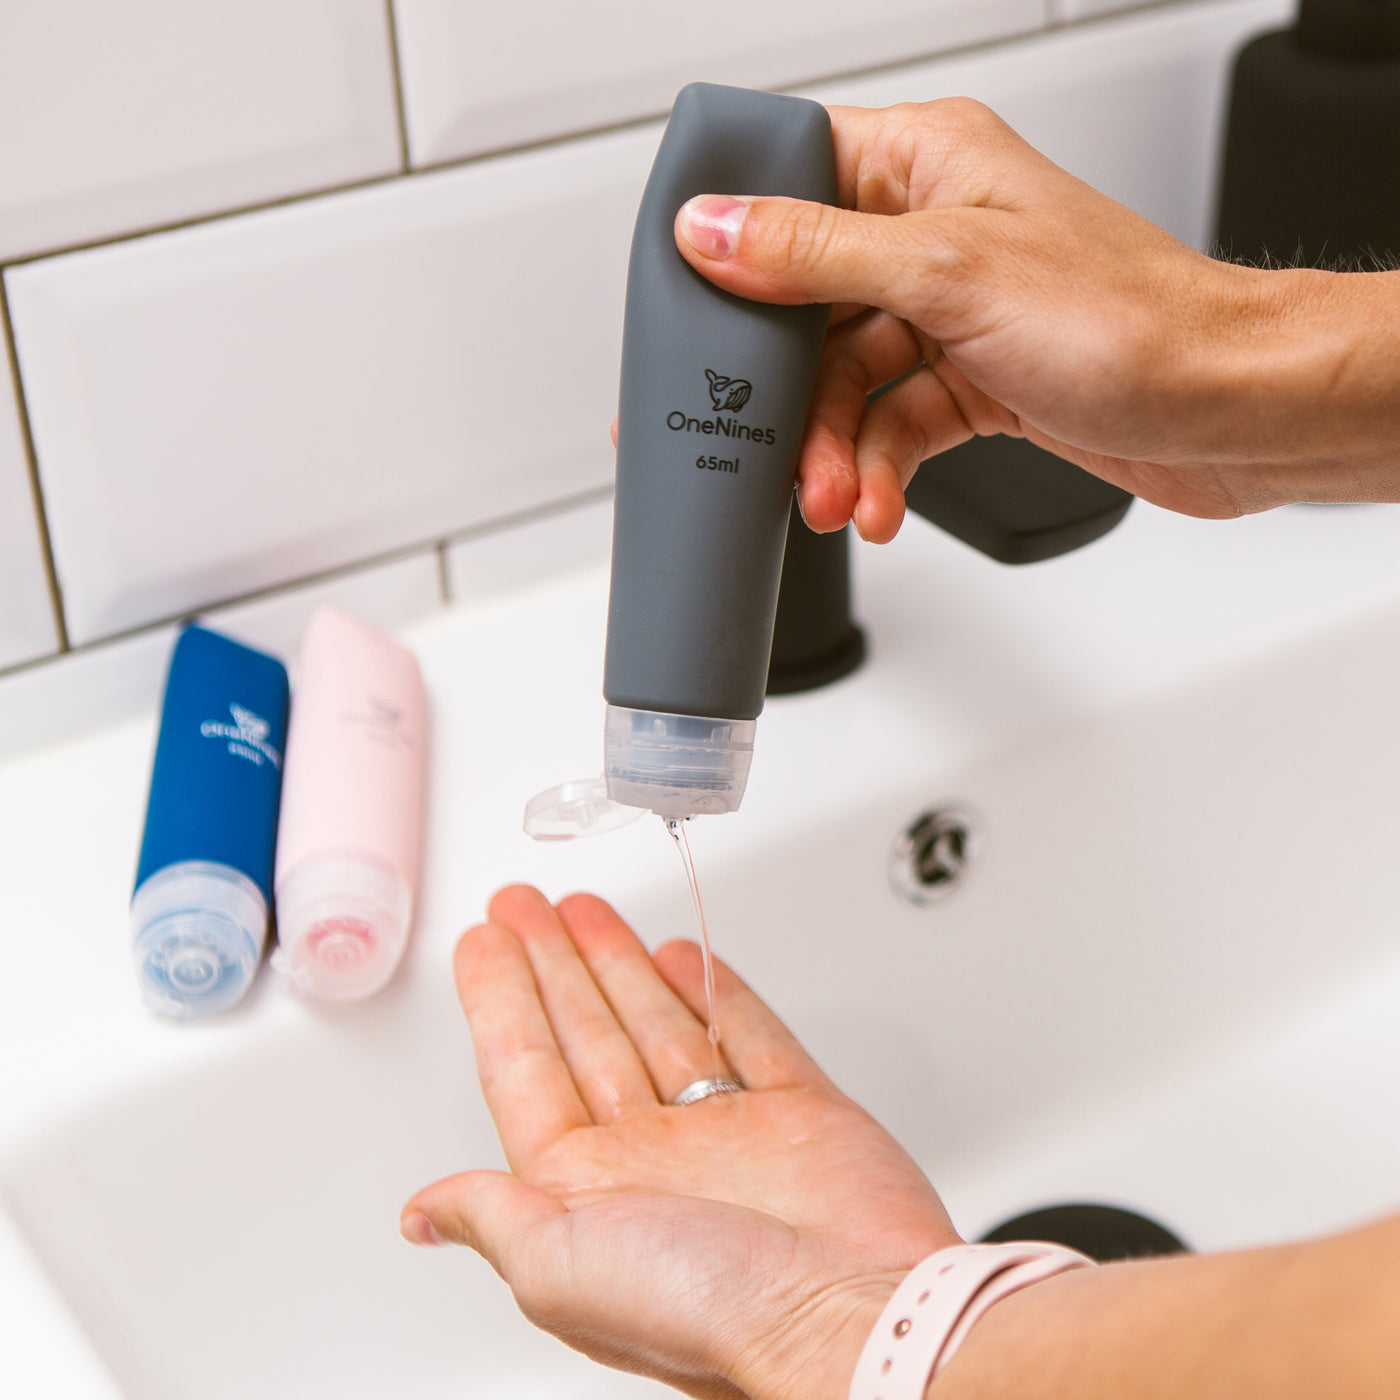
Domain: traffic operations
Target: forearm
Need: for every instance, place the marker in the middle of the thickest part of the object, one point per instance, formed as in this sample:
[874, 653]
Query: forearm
[1298, 380]
[1292, 1323]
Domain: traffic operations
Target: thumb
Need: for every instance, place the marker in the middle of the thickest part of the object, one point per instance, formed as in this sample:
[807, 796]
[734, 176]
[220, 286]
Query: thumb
[490, 1212]
[792, 251]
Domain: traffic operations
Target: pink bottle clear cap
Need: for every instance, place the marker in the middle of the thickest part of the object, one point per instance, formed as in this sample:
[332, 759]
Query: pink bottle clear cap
[342, 925]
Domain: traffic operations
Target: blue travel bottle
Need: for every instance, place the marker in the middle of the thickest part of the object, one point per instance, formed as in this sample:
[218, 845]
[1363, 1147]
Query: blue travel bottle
[204, 880]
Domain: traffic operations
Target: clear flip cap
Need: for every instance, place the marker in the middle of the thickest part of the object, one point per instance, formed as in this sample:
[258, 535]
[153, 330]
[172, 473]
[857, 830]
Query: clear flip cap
[578, 808]
[342, 924]
[198, 929]
[676, 765]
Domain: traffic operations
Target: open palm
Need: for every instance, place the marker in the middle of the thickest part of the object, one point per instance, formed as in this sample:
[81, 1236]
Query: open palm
[718, 1246]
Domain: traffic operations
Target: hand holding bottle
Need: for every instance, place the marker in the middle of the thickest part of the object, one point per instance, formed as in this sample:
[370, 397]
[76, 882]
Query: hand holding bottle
[1017, 299]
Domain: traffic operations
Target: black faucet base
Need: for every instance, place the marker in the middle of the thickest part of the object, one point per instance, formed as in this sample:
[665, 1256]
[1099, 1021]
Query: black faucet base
[1014, 501]
[822, 670]
[815, 641]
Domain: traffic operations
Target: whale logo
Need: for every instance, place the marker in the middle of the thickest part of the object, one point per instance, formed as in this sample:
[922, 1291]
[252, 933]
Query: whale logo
[731, 394]
[247, 736]
[253, 729]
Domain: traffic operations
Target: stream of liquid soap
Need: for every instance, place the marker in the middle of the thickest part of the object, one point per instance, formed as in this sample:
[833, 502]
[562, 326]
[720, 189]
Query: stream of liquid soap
[677, 829]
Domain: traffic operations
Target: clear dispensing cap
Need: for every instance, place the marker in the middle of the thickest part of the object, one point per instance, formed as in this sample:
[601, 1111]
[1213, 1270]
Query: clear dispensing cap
[198, 929]
[342, 925]
[676, 765]
[579, 808]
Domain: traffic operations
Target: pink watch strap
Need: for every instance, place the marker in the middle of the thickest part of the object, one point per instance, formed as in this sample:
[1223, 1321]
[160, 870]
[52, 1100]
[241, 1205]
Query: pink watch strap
[936, 1306]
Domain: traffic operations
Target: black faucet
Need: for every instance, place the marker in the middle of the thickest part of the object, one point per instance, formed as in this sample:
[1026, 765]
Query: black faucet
[1004, 496]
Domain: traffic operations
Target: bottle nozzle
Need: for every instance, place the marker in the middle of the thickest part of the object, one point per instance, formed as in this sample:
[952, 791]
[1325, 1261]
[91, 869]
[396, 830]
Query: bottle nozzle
[676, 765]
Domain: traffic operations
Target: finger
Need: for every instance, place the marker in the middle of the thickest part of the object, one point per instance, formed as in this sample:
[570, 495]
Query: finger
[672, 1042]
[923, 266]
[527, 1085]
[859, 357]
[916, 419]
[951, 151]
[604, 1063]
[844, 311]
[490, 1212]
[765, 1054]
[612, 432]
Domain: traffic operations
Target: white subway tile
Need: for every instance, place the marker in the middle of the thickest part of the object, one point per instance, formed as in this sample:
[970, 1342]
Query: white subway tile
[26, 612]
[114, 681]
[501, 561]
[116, 117]
[224, 408]
[1134, 106]
[482, 77]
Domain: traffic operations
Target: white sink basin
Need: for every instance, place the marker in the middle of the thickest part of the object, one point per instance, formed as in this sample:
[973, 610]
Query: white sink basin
[1167, 982]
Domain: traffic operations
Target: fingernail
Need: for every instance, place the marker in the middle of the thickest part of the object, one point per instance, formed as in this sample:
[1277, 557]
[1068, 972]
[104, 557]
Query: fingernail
[710, 223]
[417, 1229]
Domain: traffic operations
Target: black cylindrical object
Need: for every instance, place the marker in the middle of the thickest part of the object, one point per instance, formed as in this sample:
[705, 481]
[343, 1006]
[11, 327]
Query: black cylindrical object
[714, 400]
[815, 641]
[1311, 170]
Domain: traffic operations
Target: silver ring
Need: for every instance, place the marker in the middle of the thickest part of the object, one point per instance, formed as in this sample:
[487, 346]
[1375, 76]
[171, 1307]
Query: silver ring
[703, 1088]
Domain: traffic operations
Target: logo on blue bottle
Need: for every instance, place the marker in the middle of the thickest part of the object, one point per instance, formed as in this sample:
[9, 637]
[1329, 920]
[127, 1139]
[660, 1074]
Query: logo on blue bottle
[246, 736]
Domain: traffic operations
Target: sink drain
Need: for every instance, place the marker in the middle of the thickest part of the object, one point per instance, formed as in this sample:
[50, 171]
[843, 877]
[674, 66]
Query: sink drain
[930, 857]
[1104, 1233]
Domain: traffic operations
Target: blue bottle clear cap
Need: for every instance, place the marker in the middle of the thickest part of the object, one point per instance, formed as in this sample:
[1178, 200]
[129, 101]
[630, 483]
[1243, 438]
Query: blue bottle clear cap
[198, 929]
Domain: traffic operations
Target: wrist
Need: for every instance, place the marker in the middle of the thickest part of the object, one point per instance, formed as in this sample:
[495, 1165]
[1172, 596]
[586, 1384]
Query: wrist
[812, 1353]
[941, 1300]
[1293, 387]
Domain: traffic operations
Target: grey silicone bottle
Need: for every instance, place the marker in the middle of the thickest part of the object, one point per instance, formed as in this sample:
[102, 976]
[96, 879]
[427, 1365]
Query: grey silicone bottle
[714, 399]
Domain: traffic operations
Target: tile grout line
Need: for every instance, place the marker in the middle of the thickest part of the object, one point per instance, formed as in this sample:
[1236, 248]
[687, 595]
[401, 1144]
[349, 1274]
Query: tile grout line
[31, 458]
[396, 67]
[444, 582]
[529, 516]
[237, 211]
[438, 546]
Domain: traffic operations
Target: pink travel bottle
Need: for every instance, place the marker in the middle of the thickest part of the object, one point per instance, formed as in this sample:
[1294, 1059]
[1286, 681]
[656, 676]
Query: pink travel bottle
[352, 809]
